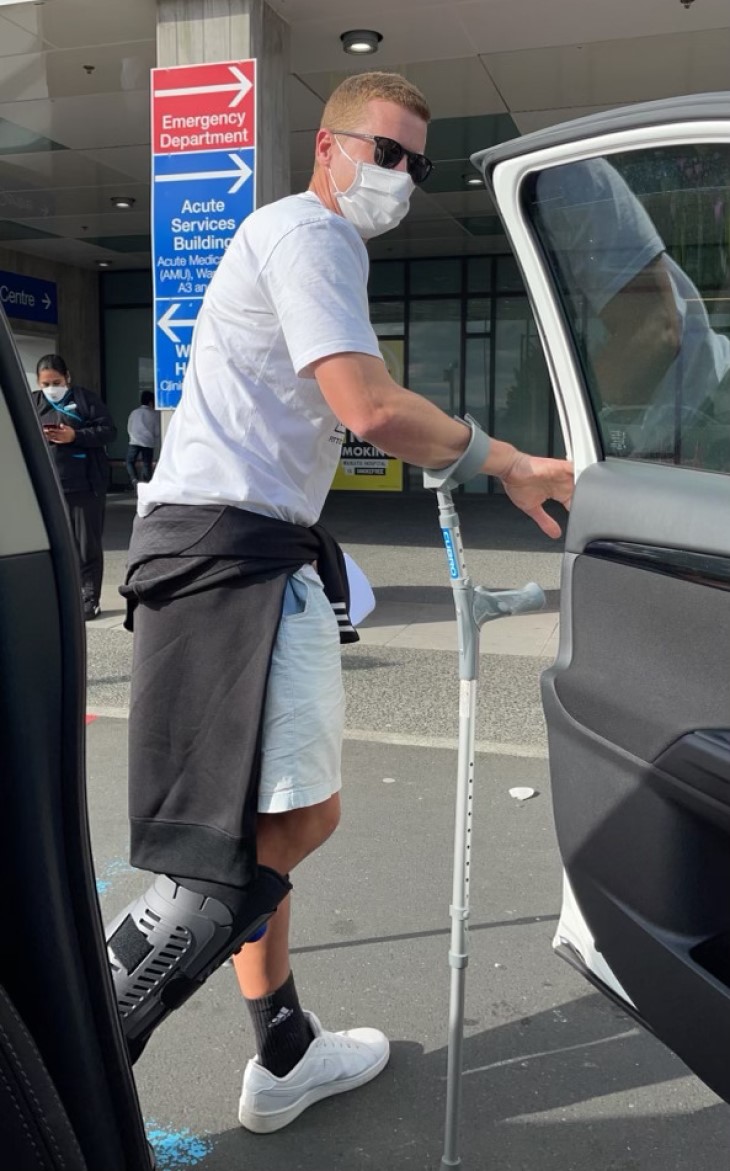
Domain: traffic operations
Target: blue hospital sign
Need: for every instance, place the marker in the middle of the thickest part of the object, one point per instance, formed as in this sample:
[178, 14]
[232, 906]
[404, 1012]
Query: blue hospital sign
[203, 173]
[29, 299]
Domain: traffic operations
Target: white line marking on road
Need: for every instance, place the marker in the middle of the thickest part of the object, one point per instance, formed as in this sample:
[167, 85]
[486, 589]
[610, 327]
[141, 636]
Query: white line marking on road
[491, 747]
[553, 1052]
[494, 747]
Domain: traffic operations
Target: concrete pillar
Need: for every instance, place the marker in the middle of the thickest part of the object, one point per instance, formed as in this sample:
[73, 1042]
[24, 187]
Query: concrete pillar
[192, 31]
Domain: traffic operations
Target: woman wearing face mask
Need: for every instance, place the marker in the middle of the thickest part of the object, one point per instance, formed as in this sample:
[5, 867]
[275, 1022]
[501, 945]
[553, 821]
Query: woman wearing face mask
[77, 427]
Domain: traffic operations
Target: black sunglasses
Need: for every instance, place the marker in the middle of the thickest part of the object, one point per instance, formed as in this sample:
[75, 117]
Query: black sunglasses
[388, 153]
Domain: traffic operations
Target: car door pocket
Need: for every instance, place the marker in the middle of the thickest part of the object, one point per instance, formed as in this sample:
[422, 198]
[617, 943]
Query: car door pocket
[714, 956]
[701, 761]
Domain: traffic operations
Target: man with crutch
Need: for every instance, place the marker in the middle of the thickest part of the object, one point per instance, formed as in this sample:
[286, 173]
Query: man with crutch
[239, 604]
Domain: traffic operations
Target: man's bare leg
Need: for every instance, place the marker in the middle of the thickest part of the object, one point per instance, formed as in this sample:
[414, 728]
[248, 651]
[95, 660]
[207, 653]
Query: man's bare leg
[283, 1035]
[283, 840]
[298, 1062]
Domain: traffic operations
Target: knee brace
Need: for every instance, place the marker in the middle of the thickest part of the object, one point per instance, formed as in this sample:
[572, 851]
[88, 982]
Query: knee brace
[164, 946]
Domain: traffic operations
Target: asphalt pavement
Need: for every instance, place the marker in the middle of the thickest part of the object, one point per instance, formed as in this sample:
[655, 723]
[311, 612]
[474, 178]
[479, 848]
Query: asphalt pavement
[556, 1078]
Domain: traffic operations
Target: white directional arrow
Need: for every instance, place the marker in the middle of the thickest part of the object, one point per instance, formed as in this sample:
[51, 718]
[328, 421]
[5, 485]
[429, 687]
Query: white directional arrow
[242, 173]
[241, 86]
[166, 322]
[46, 301]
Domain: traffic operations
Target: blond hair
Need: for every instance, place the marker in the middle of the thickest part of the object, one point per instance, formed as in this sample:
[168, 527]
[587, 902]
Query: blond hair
[346, 106]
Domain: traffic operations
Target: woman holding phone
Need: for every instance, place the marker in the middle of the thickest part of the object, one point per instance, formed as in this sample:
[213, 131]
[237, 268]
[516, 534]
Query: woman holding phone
[77, 427]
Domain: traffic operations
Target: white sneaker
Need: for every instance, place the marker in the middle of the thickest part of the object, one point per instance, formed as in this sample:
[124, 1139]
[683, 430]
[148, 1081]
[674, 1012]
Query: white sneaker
[333, 1063]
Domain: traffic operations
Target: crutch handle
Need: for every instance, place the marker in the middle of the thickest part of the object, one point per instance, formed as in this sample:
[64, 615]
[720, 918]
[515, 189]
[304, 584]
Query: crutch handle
[490, 604]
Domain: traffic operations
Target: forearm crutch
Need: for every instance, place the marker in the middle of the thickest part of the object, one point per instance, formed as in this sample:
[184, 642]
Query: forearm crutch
[474, 606]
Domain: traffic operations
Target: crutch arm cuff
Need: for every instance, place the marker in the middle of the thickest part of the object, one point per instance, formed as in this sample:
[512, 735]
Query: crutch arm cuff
[469, 464]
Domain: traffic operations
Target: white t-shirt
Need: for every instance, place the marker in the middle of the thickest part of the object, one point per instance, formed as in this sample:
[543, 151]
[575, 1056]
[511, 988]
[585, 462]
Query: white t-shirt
[603, 237]
[253, 429]
[143, 427]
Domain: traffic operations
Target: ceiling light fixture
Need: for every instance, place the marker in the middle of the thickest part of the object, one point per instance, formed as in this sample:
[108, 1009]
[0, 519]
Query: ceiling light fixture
[123, 202]
[361, 41]
[103, 264]
[473, 181]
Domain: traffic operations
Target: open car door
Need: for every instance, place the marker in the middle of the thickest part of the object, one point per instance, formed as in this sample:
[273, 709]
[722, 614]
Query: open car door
[67, 1098]
[620, 223]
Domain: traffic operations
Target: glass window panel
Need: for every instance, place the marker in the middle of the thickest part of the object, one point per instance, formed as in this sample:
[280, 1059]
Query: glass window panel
[522, 392]
[637, 244]
[387, 318]
[387, 278]
[509, 277]
[479, 274]
[476, 378]
[126, 288]
[430, 277]
[127, 366]
[481, 486]
[434, 366]
[478, 314]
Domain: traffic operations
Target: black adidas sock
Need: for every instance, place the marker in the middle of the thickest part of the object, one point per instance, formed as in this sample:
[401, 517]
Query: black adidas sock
[283, 1034]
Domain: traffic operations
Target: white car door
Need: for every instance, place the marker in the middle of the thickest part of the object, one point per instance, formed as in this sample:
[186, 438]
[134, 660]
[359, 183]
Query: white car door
[620, 223]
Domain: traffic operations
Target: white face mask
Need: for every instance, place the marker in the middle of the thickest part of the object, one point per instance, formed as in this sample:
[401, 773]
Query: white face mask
[376, 200]
[55, 394]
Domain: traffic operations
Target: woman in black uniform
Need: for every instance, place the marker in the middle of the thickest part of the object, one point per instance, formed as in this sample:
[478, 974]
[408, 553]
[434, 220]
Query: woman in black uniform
[78, 426]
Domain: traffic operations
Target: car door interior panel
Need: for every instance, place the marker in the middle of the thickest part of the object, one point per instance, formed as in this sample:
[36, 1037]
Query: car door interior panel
[638, 712]
[35, 1131]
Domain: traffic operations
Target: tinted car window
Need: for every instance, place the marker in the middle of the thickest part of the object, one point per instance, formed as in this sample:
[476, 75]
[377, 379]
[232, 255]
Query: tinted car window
[638, 245]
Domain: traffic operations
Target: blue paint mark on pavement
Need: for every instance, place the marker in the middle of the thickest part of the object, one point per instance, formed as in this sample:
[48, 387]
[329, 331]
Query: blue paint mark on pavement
[109, 873]
[177, 1150]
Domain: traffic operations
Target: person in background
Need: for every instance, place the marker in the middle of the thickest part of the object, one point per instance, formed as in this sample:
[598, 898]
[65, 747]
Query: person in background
[143, 427]
[77, 427]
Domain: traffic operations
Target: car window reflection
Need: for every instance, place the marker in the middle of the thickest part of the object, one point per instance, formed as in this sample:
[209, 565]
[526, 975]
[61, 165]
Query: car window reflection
[657, 366]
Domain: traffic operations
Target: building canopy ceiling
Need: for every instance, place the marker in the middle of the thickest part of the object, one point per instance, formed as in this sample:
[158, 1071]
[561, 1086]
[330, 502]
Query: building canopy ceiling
[74, 101]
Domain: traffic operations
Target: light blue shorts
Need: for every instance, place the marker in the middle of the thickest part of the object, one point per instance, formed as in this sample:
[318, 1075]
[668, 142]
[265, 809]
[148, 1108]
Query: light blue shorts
[304, 712]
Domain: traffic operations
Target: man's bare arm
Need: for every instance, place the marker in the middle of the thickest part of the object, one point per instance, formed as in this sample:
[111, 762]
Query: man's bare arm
[364, 397]
[370, 403]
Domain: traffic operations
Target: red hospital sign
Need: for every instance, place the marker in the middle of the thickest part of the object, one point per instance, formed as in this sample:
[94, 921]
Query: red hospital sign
[203, 107]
